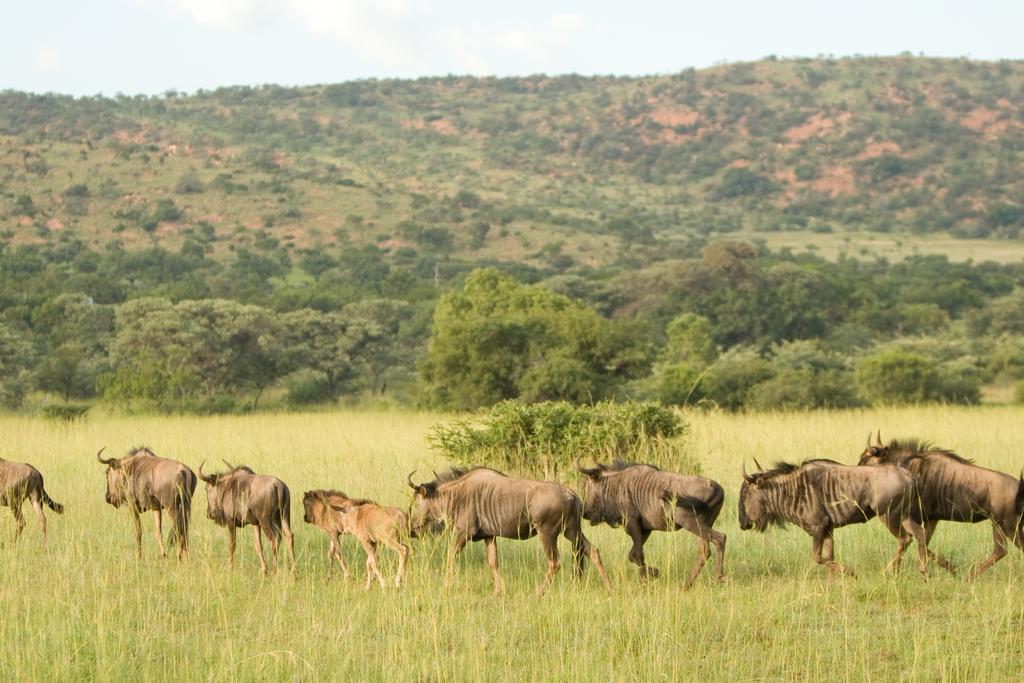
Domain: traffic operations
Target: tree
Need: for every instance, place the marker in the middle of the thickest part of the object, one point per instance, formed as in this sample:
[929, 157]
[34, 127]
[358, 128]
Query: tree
[895, 376]
[689, 341]
[499, 339]
[329, 344]
[16, 357]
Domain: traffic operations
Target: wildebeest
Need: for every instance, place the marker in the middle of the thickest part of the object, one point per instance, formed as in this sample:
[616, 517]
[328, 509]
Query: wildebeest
[642, 499]
[18, 482]
[240, 497]
[482, 504]
[374, 524]
[952, 488]
[142, 481]
[317, 510]
[822, 495]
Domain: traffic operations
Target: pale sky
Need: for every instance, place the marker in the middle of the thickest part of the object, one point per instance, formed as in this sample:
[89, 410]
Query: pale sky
[85, 47]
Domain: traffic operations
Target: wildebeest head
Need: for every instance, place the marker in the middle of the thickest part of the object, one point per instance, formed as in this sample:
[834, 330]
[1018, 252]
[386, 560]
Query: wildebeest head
[311, 502]
[117, 479]
[593, 492]
[426, 512]
[875, 453]
[218, 485]
[753, 512]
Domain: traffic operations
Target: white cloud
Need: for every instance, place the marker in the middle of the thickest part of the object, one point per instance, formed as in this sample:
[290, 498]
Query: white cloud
[539, 45]
[231, 15]
[463, 49]
[47, 60]
[384, 31]
[400, 35]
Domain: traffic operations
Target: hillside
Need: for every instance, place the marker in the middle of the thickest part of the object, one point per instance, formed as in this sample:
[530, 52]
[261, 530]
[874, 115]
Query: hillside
[782, 234]
[547, 171]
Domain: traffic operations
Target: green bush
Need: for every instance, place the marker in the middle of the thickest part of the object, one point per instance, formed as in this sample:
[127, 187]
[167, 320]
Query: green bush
[547, 437]
[67, 412]
[679, 384]
[733, 375]
[309, 392]
[894, 376]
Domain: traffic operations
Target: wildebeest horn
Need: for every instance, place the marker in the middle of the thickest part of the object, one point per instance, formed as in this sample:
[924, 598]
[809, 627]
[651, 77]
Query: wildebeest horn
[105, 461]
[746, 477]
[869, 439]
[409, 481]
[205, 477]
[879, 437]
[230, 466]
[759, 468]
[589, 471]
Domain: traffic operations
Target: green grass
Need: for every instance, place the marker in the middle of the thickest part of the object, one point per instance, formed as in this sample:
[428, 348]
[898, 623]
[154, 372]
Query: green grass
[88, 610]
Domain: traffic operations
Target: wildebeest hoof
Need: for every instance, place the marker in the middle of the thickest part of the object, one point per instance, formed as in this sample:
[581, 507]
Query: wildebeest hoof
[649, 573]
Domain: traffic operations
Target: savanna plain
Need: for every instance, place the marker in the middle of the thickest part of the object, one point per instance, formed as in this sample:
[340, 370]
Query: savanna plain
[88, 610]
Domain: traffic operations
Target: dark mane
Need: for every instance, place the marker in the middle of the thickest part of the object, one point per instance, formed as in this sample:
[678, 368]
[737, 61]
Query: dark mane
[141, 450]
[914, 447]
[620, 465]
[782, 468]
[451, 474]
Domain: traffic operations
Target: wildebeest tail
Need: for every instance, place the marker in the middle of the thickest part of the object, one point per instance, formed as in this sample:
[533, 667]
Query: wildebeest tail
[1020, 506]
[182, 510]
[51, 503]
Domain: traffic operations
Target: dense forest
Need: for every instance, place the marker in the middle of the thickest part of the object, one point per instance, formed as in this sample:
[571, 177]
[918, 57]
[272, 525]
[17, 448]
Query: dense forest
[458, 241]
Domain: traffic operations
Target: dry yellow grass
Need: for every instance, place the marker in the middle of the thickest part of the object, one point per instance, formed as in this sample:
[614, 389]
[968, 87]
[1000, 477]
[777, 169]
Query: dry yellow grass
[88, 610]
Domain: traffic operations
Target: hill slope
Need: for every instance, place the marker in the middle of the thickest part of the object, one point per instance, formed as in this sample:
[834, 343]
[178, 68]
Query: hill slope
[553, 171]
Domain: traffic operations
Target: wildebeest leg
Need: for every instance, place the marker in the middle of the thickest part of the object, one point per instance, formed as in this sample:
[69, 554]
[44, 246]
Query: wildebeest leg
[457, 545]
[289, 537]
[138, 533]
[703, 534]
[549, 541]
[639, 536]
[998, 551]
[403, 555]
[19, 520]
[334, 553]
[581, 548]
[929, 530]
[903, 539]
[372, 569]
[158, 520]
[828, 551]
[273, 532]
[919, 535]
[257, 541]
[38, 505]
[231, 545]
[492, 560]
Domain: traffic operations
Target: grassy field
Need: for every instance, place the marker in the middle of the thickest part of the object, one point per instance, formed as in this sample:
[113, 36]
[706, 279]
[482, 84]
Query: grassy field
[88, 610]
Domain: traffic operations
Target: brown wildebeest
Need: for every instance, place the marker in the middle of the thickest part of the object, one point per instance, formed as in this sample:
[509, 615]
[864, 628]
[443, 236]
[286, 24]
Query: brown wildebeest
[952, 488]
[823, 495]
[642, 499]
[374, 524]
[143, 481]
[240, 497]
[317, 510]
[18, 482]
[481, 504]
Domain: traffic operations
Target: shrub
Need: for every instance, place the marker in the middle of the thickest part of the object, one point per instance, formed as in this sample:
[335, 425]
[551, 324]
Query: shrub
[309, 392]
[547, 437]
[679, 384]
[733, 375]
[896, 376]
[67, 412]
